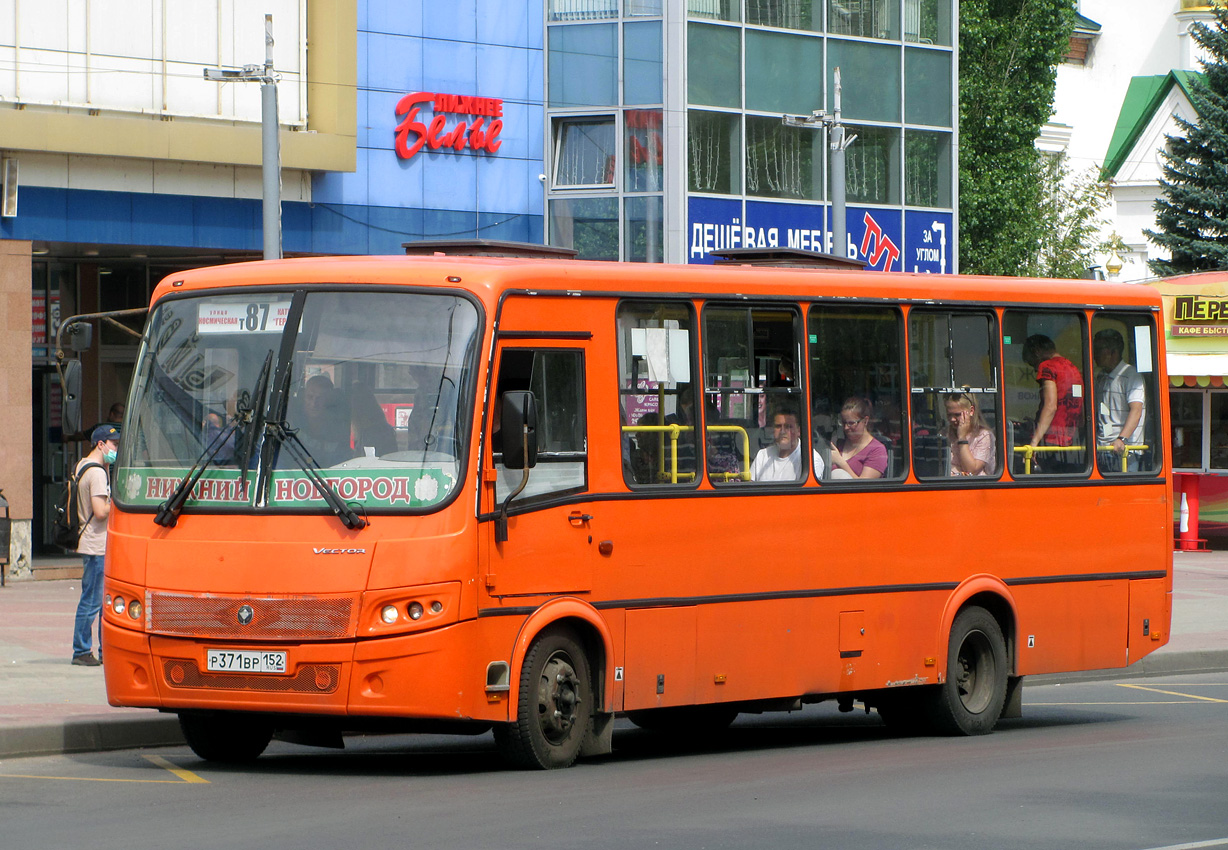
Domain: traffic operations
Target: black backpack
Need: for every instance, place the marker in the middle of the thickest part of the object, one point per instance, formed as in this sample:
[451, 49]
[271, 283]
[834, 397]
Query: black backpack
[66, 525]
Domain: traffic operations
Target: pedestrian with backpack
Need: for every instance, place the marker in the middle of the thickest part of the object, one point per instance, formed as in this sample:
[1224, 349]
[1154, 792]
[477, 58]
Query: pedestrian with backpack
[93, 485]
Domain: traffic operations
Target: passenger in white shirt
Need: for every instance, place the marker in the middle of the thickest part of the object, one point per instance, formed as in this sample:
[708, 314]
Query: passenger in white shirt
[782, 461]
[1120, 403]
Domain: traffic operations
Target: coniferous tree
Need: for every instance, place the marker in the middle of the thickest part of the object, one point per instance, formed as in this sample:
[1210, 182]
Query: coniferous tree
[1192, 214]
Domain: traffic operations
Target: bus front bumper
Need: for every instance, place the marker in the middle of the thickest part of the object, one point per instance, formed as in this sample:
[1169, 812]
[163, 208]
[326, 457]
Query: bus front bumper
[437, 674]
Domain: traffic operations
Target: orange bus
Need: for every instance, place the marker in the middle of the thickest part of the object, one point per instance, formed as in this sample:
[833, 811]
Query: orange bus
[530, 495]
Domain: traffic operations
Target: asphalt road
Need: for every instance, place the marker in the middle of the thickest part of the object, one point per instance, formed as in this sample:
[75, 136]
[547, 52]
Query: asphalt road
[1132, 764]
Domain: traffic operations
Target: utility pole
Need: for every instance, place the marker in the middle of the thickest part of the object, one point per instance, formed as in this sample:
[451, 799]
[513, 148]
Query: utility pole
[270, 142]
[838, 145]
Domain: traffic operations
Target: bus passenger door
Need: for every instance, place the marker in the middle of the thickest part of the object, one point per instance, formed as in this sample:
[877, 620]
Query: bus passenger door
[549, 546]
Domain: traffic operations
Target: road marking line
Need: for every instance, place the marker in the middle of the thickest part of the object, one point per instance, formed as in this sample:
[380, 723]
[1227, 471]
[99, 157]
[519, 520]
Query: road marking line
[184, 774]
[1171, 693]
[1216, 842]
[89, 779]
[1147, 702]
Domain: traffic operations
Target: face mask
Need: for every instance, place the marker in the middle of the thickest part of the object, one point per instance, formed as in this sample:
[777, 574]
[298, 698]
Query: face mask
[109, 456]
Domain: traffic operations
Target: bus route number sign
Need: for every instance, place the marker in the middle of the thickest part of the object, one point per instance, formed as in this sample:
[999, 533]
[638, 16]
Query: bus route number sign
[244, 661]
[228, 317]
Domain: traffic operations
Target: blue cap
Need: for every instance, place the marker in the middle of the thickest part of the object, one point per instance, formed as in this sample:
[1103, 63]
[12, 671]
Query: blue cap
[103, 433]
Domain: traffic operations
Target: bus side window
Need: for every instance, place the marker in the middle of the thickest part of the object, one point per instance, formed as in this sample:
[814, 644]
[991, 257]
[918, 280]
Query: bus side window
[750, 376]
[857, 377]
[556, 379]
[657, 415]
[954, 388]
[1125, 414]
[1047, 393]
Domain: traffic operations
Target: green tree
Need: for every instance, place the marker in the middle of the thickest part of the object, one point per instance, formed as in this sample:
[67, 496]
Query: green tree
[1072, 216]
[1009, 52]
[1192, 214]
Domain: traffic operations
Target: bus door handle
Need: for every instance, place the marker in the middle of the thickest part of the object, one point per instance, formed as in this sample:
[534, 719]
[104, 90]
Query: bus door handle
[578, 519]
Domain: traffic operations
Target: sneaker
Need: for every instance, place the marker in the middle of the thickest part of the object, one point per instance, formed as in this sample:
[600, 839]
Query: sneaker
[87, 660]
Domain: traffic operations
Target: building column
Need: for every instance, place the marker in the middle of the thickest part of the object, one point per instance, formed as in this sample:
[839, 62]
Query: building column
[16, 395]
[674, 47]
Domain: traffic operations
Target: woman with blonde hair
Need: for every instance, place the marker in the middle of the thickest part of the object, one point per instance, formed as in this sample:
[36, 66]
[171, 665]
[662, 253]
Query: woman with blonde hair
[970, 439]
[858, 455]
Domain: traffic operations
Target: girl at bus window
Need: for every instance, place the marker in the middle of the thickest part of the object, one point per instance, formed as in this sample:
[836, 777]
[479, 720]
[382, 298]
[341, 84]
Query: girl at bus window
[970, 439]
[858, 455]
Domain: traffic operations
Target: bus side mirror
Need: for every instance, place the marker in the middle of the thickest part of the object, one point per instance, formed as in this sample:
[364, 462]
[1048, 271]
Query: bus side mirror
[519, 430]
[80, 336]
[70, 411]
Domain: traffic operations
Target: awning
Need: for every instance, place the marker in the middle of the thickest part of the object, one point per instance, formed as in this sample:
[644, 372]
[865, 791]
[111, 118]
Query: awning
[1197, 370]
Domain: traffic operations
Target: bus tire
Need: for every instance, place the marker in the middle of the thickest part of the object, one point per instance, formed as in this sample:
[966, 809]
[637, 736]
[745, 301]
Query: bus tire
[226, 738]
[696, 720]
[970, 701]
[554, 712]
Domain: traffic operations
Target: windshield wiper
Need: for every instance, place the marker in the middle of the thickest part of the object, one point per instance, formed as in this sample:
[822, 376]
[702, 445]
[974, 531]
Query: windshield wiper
[287, 437]
[256, 409]
[168, 512]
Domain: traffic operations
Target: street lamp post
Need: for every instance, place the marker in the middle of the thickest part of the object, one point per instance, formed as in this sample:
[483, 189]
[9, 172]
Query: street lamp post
[839, 144]
[270, 143]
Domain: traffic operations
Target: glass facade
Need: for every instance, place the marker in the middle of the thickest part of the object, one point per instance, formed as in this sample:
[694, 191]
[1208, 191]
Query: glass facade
[751, 178]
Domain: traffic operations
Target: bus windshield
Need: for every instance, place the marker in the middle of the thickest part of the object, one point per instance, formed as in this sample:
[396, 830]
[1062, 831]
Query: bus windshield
[376, 386]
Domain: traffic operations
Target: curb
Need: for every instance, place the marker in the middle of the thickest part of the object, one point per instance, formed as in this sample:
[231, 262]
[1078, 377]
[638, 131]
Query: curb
[90, 734]
[1156, 664]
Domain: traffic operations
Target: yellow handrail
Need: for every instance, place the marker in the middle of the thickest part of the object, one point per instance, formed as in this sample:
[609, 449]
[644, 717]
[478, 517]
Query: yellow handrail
[744, 475]
[1028, 451]
[674, 430]
[1137, 447]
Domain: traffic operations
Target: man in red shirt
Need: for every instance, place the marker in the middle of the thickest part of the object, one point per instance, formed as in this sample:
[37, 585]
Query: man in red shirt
[1059, 418]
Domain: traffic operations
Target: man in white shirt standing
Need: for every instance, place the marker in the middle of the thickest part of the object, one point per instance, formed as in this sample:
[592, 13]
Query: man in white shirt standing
[782, 461]
[93, 508]
[1120, 403]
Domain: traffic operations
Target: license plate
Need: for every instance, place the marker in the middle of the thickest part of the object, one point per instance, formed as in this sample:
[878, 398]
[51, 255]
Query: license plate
[245, 661]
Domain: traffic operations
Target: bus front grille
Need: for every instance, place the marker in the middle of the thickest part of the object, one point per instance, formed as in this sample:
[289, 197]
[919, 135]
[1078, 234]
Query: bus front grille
[251, 617]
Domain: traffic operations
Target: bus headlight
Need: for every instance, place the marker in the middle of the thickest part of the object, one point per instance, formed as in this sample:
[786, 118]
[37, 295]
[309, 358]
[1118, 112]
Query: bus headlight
[134, 609]
[389, 614]
[415, 610]
[118, 605]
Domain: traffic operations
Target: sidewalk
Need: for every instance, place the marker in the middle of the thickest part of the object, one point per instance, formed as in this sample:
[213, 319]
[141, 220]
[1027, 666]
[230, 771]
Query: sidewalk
[48, 706]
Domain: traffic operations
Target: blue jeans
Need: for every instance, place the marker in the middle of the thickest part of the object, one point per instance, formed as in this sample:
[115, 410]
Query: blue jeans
[89, 607]
[1111, 461]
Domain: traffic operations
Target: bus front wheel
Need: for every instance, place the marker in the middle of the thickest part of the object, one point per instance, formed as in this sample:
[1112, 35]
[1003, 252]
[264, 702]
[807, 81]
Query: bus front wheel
[970, 701]
[555, 708]
[225, 738]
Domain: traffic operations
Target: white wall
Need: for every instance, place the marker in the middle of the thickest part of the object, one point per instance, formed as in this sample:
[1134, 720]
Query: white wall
[148, 56]
[1137, 38]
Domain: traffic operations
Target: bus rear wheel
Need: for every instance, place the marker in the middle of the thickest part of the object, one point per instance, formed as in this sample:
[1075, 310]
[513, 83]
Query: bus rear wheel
[970, 701]
[554, 712]
[226, 738]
